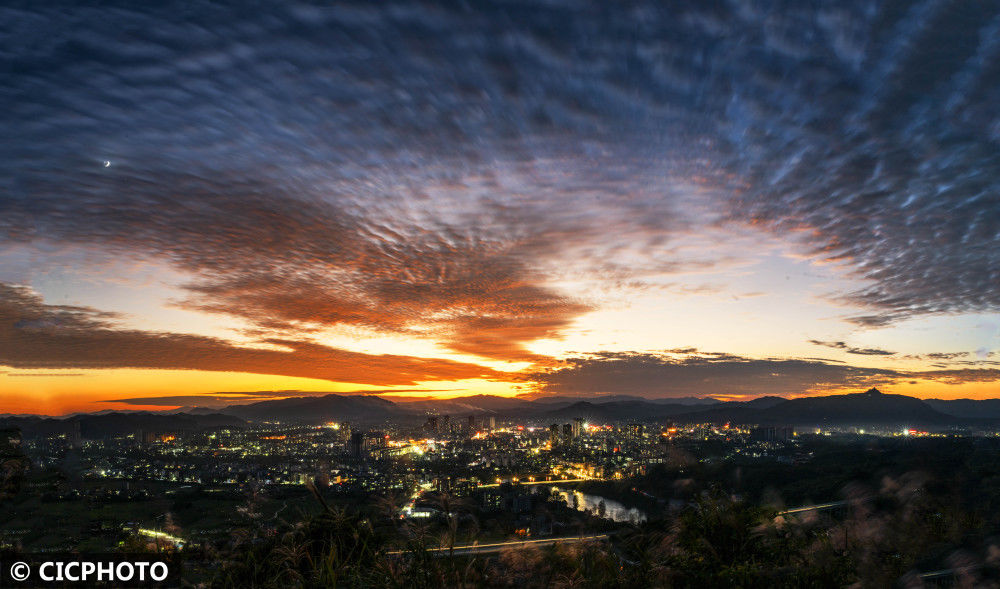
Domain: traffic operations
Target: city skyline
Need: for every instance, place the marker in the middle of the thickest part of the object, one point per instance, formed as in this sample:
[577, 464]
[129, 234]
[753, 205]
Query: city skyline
[405, 200]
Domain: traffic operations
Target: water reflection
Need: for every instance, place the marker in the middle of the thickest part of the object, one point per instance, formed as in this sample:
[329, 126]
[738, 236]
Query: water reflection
[610, 509]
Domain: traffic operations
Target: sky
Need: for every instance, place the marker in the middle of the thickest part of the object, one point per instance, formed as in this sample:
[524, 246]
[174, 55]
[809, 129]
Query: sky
[206, 202]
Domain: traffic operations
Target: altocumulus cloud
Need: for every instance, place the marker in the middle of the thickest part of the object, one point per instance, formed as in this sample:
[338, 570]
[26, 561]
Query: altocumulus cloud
[416, 168]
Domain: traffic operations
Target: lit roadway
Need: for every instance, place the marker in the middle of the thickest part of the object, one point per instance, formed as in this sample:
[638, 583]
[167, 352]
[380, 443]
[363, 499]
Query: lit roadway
[469, 549]
[476, 548]
[822, 506]
[813, 508]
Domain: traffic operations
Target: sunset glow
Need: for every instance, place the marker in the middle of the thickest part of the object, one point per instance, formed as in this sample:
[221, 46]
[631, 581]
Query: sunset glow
[268, 205]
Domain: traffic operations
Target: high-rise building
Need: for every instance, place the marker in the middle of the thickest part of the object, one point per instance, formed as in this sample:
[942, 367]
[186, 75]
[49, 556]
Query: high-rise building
[633, 432]
[355, 446]
[577, 427]
[363, 444]
[446, 424]
[567, 431]
[491, 422]
[554, 435]
[772, 434]
[432, 424]
[375, 440]
[75, 439]
[142, 436]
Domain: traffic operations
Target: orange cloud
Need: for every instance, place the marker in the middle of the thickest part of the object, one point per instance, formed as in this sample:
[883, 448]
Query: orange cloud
[35, 335]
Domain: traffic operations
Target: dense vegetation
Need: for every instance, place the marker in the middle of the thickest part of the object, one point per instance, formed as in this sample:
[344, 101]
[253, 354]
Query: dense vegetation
[718, 542]
[911, 513]
[906, 513]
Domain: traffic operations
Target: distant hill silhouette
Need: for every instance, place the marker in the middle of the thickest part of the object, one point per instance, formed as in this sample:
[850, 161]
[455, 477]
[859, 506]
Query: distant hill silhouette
[360, 408]
[469, 404]
[617, 411]
[566, 400]
[968, 408]
[871, 408]
[759, 402]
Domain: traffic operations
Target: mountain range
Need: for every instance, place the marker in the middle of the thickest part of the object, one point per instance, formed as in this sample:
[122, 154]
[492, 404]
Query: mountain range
[869, 409]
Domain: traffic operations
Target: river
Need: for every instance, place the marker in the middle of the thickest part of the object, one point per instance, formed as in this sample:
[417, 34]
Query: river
[613, 510]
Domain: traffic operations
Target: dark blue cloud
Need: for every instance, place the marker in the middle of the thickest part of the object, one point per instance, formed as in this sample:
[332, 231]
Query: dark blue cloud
[838, 345]
[701, 373]
[389, 152]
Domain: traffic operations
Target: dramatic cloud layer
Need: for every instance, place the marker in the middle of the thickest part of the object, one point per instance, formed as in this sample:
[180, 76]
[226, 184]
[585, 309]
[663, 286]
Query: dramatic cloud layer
[437, 170]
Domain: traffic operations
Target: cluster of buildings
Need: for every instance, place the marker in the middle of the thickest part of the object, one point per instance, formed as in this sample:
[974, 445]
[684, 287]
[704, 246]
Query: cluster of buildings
[475, 448]
[502, 466]
[443, 424]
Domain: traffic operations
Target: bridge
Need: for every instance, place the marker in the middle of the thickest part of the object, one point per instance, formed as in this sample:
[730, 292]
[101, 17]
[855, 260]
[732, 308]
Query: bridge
[818, 507]
[552, 482]
[823, 506]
